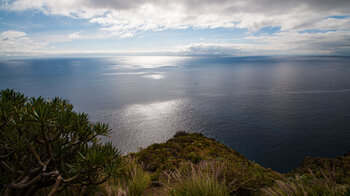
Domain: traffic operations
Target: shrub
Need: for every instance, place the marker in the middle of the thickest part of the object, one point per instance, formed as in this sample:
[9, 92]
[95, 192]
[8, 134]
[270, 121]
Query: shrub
[137, 179]
[196, 180]
[132, 181]
[44, 143]
[180, 133]
[309, 185]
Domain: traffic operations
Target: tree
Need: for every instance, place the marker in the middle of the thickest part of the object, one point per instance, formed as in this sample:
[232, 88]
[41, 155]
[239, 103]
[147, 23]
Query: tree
[44, 143]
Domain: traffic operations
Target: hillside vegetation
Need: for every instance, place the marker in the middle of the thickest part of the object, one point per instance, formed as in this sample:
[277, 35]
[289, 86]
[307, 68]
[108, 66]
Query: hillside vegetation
[48, 149]
[191, 164]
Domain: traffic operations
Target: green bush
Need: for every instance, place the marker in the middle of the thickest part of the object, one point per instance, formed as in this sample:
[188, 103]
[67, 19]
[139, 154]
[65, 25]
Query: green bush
[309, 185]
[132, 180]
[137, 179]
[196, 180]
[44, 143]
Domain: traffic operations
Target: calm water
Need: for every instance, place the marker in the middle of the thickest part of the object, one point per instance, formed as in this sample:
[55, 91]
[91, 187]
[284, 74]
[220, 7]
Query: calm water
[273, 110]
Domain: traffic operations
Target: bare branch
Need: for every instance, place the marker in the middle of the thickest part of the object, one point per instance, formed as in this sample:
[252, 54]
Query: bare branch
[69, 180]
[51, 174]
[36, 155]
[56, 187]
[27, 170]
[5, 156]
[7, 167]
[25, 185]
[49, 150]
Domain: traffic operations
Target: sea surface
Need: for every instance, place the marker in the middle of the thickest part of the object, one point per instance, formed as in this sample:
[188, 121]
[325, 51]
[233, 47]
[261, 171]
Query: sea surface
[274, 110]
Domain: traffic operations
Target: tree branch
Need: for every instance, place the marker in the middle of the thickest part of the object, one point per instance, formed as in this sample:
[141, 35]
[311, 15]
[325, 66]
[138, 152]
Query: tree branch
[27, 170]
[36, 155]
[7, 167]
[51, 174]
[25, 185]
[5, 156]
[69, 180]
[49, 150]
[56, 187]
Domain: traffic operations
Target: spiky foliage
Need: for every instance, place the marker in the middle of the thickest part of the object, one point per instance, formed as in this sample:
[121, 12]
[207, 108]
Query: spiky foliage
[203, 179]
[132, 181]
[44, 143]
[137, 180]
[341, 166]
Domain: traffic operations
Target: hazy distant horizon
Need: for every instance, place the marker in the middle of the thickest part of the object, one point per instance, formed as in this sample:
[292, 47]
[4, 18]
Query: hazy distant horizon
[92, 56]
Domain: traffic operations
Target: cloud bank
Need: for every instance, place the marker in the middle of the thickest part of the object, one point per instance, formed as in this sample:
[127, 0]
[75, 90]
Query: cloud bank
[283, 43]
[128, 16]
[17, 43]
[311, 26]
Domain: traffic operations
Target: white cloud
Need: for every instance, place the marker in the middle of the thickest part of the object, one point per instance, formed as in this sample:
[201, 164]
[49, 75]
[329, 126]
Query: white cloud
[282, 43]
[127, 35]
[329, 24]
[75, 35]
[17, 43]
[120, 17]
[331, 42]
[209, 49]
[127, 19]
[9, 35]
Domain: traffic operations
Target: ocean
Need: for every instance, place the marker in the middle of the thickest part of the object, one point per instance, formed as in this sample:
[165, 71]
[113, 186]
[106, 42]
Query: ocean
[274, 110]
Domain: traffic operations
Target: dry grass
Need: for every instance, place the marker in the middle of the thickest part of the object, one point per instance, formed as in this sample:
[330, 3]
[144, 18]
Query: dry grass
[202, 179]
[133, 181]
[324, 183]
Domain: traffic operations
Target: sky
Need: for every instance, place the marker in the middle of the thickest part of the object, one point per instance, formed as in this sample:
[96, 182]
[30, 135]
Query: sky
[174, 27]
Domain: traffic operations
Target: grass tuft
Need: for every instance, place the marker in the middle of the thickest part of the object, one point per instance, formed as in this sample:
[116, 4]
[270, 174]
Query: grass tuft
[321, 182]
[133, 180]
[196, 180]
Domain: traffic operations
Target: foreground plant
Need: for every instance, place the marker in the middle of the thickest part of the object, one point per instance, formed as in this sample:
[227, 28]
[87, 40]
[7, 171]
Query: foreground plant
[203, 179]
[44, 143]
[132, 181]
[309, 185]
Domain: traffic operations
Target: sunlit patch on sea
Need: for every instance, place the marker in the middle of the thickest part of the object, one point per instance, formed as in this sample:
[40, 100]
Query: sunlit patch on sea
[274, 110]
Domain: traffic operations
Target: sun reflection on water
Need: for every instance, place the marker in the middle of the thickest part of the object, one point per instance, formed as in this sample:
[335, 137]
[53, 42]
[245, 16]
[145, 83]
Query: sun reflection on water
[144, 66]
[147, 62]
[140, 125]
[155, 76]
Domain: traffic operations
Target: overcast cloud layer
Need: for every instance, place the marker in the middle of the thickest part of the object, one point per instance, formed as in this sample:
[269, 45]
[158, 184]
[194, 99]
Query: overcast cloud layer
[304, 26]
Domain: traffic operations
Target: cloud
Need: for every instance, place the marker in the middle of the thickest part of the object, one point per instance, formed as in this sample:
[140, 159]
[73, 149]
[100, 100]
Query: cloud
[331, 42]
[75, 35]
[329, 24]
[305, 26]
[9, 35]
[121, 18]
[127, 35]
[209, 49]
[282, 43]
[17, 43]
